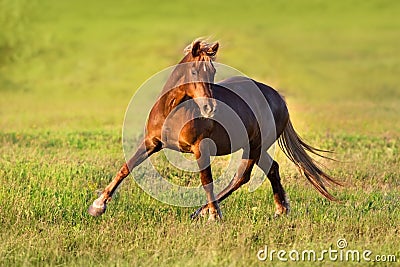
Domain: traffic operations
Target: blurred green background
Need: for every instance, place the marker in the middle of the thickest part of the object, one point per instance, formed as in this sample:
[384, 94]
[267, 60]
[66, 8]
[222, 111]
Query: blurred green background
[76, 64]
[68, 70]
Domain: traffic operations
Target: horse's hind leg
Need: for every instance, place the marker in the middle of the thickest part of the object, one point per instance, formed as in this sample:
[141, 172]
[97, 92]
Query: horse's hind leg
[272, 172]
[146, 148]
[242, 176]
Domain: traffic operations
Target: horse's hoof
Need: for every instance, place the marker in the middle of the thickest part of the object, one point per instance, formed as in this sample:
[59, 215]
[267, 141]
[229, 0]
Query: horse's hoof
[214, 217]
[281, 212]
[199, 211]
[215, 214]
[97, 209]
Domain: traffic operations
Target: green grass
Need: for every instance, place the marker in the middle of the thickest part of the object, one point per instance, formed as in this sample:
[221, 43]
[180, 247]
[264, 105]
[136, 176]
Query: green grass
[68, 70]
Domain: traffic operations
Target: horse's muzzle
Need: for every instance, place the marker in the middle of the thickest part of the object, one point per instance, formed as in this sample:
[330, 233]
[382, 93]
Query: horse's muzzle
[208, 110]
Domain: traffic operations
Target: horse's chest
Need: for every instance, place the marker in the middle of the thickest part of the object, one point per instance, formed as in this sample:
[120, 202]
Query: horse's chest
[181, 131]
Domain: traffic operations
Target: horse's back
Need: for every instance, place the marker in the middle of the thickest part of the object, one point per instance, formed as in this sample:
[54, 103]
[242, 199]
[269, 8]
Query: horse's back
[277, 105]
[260, 98]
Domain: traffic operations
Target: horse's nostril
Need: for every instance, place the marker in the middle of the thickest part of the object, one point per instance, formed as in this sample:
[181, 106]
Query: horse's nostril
[207, 108]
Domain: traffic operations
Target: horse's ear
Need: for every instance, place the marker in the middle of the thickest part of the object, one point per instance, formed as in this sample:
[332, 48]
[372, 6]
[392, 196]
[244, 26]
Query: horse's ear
[214, 48]
[196, 48]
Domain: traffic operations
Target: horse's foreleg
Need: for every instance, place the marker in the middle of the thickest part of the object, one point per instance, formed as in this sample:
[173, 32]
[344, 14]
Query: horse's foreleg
[203, 160]
[146, 148]
[241, 177]
[272, 172]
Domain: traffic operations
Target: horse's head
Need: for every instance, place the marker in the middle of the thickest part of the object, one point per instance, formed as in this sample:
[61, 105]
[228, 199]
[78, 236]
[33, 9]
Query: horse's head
[200, 74]
[194, 76]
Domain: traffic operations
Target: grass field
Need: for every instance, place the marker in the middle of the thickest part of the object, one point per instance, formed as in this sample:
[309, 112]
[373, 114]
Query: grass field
[69, 68]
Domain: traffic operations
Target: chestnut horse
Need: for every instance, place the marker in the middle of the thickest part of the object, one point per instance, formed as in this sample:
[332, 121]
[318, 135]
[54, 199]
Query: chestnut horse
[260, 118]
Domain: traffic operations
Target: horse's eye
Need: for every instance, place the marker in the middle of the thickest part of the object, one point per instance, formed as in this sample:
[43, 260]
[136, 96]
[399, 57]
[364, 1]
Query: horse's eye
[194, 72]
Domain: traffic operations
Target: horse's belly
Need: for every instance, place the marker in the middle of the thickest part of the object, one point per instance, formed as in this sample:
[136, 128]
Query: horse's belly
[180, 132]
[225, 140]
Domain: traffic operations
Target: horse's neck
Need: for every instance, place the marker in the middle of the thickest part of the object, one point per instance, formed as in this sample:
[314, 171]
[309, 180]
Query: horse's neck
[168, 100]
[169, 93]
[174, 80]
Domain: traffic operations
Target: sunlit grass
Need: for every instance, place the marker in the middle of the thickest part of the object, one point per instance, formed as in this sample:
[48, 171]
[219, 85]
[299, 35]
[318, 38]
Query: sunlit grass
[49, 182]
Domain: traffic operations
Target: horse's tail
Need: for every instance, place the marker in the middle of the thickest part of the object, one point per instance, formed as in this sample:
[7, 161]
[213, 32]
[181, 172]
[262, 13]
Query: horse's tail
[295, 149]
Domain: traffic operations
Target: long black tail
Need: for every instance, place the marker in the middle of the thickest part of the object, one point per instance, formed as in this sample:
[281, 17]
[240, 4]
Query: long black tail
[295, 149]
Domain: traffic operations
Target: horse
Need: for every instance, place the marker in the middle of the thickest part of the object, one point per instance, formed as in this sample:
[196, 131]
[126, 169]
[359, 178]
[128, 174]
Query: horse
[259, 109]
